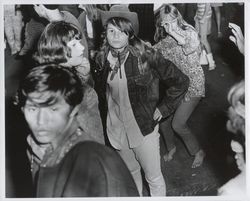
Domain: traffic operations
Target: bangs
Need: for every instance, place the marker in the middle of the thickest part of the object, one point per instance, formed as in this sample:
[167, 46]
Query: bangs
[122, 24]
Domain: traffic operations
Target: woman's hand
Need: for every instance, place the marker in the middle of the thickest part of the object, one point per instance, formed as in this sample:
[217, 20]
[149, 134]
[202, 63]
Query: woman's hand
[237, 38]
[172, 31]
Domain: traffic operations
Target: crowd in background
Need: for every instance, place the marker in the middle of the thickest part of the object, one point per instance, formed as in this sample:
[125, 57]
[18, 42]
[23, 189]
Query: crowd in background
[140, 69]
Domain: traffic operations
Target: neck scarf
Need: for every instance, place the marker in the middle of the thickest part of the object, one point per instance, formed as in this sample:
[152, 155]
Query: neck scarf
[121, 57]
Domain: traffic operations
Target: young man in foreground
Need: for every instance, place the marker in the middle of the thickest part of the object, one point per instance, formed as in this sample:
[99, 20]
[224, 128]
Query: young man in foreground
[61, 164]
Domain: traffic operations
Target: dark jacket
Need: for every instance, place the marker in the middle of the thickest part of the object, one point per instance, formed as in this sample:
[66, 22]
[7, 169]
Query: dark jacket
[143, 88]
[89, 169]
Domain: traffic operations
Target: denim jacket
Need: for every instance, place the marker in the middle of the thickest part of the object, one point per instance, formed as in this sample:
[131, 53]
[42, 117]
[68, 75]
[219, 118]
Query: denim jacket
[143, 88]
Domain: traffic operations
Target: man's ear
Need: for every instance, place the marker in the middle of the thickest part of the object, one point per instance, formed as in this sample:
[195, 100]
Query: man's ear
[75, 111]
[22, 109]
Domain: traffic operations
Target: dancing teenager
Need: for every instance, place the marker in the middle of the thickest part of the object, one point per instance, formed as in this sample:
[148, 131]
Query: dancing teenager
[179, 42]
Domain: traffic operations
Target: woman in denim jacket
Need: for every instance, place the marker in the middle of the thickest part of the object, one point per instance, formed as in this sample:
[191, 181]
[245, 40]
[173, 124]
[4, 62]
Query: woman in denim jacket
[127, 76]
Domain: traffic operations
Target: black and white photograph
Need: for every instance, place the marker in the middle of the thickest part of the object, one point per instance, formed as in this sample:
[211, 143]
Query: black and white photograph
[124, 99]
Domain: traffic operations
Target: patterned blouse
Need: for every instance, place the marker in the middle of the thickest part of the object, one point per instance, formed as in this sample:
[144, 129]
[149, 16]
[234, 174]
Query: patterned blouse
[187, 58]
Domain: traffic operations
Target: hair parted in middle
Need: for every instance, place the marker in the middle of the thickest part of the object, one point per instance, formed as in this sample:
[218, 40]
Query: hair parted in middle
[146, 52]
[170, 12]
[52, 45]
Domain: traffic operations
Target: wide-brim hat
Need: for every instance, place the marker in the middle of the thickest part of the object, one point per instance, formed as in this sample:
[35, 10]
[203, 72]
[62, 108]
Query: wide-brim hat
[123, 12]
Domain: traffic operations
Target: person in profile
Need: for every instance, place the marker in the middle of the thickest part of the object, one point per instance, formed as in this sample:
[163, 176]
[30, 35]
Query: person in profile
[62, 165]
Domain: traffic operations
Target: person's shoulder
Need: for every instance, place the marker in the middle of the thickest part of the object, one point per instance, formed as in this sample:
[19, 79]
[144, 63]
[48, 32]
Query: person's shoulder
[92, 148]
[90, 145]
[88, 152]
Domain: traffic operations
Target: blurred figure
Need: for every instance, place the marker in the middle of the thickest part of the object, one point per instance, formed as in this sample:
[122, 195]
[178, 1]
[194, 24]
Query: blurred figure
[49, 13]
[13, 24]
[236, 125]
[72, 8]
[90, 22]
[62, 165]
[216, 7]
[34, 26]
[203, 26]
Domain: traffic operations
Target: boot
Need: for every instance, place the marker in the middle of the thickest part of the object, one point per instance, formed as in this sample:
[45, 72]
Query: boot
[211, 62]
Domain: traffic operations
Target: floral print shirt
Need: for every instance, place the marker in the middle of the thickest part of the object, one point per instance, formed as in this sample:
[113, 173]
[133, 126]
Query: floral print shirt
[187, 58]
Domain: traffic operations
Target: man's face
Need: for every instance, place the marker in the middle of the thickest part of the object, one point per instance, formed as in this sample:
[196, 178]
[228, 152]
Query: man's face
[47, 122]
[116, 38]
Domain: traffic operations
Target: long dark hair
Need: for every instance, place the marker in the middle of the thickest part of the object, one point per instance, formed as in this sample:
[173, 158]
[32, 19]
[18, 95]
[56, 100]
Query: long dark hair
[147, 53]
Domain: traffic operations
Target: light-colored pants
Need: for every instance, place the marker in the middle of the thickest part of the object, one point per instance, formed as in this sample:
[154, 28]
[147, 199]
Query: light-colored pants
[147, 156]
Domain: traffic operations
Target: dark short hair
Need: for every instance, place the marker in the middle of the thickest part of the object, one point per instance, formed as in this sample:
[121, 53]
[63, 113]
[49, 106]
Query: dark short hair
[52, 45]
[51, 78]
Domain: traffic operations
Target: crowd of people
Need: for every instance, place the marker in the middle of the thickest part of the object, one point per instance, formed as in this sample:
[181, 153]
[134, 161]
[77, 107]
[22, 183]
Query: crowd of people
[101, 92]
